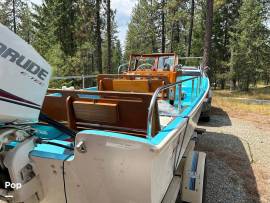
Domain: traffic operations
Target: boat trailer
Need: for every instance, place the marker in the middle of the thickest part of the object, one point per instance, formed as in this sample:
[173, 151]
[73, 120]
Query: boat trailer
[188, 181]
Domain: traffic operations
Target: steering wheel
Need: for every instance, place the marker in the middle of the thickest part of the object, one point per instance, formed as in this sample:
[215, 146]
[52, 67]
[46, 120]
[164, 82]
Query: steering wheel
[167, 66]
[142, 66]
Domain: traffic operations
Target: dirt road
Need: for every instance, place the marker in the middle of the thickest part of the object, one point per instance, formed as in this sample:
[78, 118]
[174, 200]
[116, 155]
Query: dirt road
[238, 159]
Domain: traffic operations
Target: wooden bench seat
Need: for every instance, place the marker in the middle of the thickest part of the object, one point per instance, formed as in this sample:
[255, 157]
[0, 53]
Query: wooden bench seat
[130, 83]
[115, 111]
[95, 112]
[170, 75]
[122, 85]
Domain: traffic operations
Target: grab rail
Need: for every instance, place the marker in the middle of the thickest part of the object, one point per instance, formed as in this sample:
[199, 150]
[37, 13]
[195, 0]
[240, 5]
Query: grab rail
[120, 67]
[156, 94]
[81, 77]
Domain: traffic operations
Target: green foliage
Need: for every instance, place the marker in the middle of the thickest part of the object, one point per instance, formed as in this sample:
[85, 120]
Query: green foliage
[63, 32]
[249, 43]
[15, 19]
[144, 30]
[142, 33]
[116, 48]
[65, 15]
[240, 50]
[25, 28]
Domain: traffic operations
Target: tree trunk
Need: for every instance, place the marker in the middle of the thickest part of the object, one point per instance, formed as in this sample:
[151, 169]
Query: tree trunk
[109, 36]
[232, 77]
[14, 16]
[191, 27]
[173, 11]
[208, 32]
[172, 27]
[98, 37]
[222, 84]
[163, 37]
[152, 27]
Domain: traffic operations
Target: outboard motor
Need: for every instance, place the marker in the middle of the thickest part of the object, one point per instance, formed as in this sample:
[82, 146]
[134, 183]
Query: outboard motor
[24, 79]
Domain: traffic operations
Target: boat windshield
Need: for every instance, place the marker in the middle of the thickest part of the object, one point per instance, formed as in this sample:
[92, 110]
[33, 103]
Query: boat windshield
[145, 63]
[162, 63]
[165, 62]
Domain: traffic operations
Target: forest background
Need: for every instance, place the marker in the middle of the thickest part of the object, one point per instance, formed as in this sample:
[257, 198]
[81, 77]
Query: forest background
[79, 37]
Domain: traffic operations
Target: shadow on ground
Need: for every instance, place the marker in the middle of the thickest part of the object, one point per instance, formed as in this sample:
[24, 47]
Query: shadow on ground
[218, 118]
[229, 176]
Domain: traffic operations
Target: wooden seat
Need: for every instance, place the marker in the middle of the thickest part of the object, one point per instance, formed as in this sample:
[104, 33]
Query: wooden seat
[113, 111]
[91, 111]
[55, 101]
[123, 85]
[131, 83]
[170, 75]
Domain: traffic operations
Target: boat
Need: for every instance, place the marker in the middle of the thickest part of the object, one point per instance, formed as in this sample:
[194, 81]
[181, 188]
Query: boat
[126, 140]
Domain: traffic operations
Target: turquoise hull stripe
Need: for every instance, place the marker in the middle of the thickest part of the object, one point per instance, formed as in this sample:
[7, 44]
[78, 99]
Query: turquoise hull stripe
[52, 151]
[188, 104]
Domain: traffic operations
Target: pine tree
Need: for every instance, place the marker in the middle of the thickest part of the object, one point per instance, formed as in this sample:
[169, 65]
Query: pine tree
[98, 36]
[115, 47]
[109, 36]
[225, 15]
[117, 55]
[65, 15]
[10, 11]
[208, 32]
[143, 30]
[248, 42]
[6, 14]
[198, 29]
[163, 34]
[190, 27]
[25, 27]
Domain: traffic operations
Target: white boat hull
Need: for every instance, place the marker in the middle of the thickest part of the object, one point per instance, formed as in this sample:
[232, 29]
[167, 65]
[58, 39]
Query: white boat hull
[116, 170]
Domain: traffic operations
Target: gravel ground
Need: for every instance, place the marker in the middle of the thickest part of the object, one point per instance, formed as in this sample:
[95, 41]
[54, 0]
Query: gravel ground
[238, 160]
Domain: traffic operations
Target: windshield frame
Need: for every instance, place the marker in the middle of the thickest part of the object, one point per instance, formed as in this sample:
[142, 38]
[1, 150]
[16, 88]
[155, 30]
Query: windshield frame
[135, 58]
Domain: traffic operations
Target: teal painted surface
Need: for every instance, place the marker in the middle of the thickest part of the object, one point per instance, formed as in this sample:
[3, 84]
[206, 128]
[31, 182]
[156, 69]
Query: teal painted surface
[49, 155]
[92, 88]
[53, 148]
[165, 131]
[80, 95]
[49, 132]
[116, 135]
[52, 151]
[189, 102]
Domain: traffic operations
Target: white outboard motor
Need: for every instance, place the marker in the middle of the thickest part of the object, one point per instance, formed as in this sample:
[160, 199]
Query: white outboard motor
[24, 79]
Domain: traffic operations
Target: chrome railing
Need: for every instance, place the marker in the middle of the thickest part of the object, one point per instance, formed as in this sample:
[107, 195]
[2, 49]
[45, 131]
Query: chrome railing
[191, 57]
[80, 77]
[157, 93]
[122, 66]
